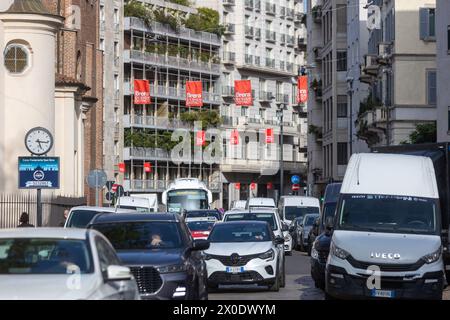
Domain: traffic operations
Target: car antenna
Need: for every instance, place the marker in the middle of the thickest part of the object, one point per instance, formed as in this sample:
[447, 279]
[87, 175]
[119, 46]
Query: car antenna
[357, 171]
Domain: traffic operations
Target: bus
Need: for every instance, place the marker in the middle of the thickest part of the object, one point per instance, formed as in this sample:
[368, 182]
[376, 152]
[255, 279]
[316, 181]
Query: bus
[187, 194]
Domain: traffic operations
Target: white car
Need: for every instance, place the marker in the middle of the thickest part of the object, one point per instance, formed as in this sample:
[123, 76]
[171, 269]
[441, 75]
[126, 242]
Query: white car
[268, 215]
[239, 205]
[61, 264]
[244, 252]
[79, 217]
[287, 240]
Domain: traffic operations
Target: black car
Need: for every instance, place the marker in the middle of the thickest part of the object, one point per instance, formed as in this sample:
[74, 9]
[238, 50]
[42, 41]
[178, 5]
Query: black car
[203, 213]
[160, 252]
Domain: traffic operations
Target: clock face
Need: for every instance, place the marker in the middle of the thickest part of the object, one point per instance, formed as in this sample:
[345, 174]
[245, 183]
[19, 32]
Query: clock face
[39, 141]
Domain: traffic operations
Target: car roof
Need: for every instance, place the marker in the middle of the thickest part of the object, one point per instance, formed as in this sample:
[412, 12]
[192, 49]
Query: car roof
[302, 201]
[240, 222]
[58, 233]
[101, 209]
[253, 211]
[135, 217]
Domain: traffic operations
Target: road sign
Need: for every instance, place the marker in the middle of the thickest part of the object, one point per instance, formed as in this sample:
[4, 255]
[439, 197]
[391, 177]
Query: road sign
[96, 179]
[295, 179]
[295, 187]
[109, 196]
[109, 185]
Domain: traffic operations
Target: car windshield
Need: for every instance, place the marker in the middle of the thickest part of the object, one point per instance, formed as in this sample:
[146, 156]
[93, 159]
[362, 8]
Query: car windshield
[247, 232]
[138, 209]
[44, 256]
[200, 225]
[178, 200]
[309, 220]
[81, 218]
[292, 212]
[267, 217]
[202, 214]
[141, 235]
[388, 213]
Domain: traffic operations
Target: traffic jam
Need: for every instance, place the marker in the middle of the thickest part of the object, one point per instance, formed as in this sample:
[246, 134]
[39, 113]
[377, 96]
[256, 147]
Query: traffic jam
[380, 234]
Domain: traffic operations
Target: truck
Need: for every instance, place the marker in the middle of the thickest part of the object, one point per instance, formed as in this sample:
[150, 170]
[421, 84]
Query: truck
[439, 153]
[139, 202]
[187, 194]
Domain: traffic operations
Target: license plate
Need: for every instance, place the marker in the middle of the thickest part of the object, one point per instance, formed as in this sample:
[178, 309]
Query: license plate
[235, 269]
[383, 293]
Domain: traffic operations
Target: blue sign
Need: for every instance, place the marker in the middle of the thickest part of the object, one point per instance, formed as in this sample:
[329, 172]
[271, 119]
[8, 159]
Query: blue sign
[295, 179]
[38, 172]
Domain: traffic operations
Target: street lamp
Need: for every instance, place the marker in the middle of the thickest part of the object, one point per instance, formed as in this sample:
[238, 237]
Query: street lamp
[280, 110]
[350, 93]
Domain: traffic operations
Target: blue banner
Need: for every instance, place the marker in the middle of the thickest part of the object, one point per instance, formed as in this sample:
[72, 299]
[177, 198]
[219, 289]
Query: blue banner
[38, 172]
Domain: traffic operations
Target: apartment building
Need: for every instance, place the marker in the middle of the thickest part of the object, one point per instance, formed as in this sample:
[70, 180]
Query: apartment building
[264, 42]
[328, 111]
[443, 65]
[401, 69]
[111, 43]
[167, 54]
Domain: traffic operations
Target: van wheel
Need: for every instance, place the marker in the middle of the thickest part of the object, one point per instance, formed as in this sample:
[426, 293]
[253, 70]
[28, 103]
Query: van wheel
[283, 276]
[276, 285]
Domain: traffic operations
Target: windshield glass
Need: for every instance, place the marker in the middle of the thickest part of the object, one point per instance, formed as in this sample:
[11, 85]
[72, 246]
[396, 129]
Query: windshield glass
[178, 200]
[200, 225]
[44, 256]
[81, 218]
[138, 209]
[309, 220]
[141, 235]
[267, 217]
[386, 213]
[202, 214]
[240, 233]
[292, 212]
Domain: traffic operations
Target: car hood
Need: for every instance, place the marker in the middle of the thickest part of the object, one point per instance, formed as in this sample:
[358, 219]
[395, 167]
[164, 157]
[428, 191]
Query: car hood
[362, 245]
[241, 248]
[48, 287]
[154, 257]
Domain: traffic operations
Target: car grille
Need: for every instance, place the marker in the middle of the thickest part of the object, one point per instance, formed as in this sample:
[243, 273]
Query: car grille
[147, 278]
[224, 277]
[238, 261]
[386, 267]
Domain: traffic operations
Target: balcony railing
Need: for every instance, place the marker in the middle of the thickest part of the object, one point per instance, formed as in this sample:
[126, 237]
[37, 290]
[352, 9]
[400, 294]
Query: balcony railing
[229, 57]
[249, 31]
[270, 63]
[265, 96]
[228, 2]
[290, 40]
[229, 28]
[271, 36]
[290, 13]
[161, 185]
[282, 98]
[282, 12]
[257, 33]
[227, 91]
[257, 5]
[271, 8]
[282, 38]
[249, 4]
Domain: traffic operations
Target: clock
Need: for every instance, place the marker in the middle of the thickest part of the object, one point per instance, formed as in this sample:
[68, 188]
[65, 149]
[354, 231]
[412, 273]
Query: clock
[39, 141]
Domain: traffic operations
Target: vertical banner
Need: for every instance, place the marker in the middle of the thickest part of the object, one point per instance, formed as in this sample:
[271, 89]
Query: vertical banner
[194, 96]
[122, 167]
[237, 186]
[302, 89]
[243, 93]
[147, 167]
[253, 186]
[234, 139]
[200, 139]
[269, 135]
[142, 92]
[269, 186]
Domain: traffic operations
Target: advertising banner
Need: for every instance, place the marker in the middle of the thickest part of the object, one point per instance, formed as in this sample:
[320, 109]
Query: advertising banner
[38, 172]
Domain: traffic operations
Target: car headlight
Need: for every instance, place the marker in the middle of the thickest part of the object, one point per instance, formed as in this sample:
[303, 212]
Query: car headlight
[433, 257]
[314, 253]
[268, 255]
[338, 252]
[172, 269]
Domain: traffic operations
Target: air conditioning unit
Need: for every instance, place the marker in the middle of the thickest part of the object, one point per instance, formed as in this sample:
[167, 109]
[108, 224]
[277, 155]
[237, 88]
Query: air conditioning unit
[371, 61]
[384, 49]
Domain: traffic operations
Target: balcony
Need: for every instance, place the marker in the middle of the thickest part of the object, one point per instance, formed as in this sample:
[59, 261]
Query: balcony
[229, 57]
[371, 65]
[229, 29]
[271, 36]
[282, 98]
[146, 154]
[248, 59]
[290, 41]
[227, 91]
[299, 17]
[316, 13]
[146, 185]
[282, 39]
[301, 44]
[290, 13]
[270, 63]
[249, 4]
[265, 96]
[228, 2]
[258, 5]
[257, 33]
[282, 12]
[271, 8]
[290, 67]
[163, 123]
[317, 52]
[249, 31]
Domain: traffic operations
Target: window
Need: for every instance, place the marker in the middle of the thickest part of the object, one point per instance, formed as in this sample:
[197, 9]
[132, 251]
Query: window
[342, 106]
[341, 13]
[427, 24]
[431, 84]
[448, 38]
[243, 111]
[342, 61]
[16, 58]
[448, 118]
[106, 255]
[342, 153]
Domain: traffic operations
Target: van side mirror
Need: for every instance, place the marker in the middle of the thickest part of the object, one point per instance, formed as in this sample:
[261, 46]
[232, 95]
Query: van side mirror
[284, 228]
[279, 240]
[329, 223]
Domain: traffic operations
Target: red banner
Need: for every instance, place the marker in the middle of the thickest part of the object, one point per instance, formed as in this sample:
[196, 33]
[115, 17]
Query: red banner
[253, 186]
[302, 89]
[147, 167]
[142, 92]
[243, 93]
[269, 135]
[122, 167]
[234, 137]
[269, 186]
[194, 96]
[237, 186]
[200, 139]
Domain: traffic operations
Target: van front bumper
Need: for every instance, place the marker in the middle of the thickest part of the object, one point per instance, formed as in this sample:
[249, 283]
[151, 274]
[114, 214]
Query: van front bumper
[339, 284]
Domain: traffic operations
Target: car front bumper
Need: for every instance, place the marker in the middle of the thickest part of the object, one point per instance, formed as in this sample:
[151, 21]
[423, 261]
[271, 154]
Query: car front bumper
[175, 286]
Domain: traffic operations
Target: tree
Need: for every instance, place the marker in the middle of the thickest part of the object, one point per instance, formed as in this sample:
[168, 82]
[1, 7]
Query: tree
[205, 20]
[424, 133]
[137, 9]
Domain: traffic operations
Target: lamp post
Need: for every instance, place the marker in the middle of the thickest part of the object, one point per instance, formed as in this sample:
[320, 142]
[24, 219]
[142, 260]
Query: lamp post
[350, 93]
[280, 110]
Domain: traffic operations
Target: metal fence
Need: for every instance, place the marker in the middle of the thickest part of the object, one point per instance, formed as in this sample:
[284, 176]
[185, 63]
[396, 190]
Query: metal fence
[12, 206]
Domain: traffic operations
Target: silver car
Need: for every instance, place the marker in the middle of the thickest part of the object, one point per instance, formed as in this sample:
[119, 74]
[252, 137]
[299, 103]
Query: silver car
[61, 264]
[303, 231]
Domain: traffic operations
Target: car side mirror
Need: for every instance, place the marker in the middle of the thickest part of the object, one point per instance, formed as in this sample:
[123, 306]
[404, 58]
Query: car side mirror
[279, 240]
[200, 245]
[118, 273]
[301, 224]
[329, 224]
[284, 228]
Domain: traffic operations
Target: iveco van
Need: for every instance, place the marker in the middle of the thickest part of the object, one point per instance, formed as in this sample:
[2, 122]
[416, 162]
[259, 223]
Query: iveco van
[386, 241]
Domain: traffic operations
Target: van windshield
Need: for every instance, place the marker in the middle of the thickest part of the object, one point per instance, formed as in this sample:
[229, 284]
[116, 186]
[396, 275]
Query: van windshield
[388, 213]
[81, 218]
[292, 212]
[328, 212]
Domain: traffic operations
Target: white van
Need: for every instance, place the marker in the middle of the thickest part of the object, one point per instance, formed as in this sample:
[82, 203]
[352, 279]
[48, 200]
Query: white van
[260, 203]
[291, 207]
[136, 203]
[79, 217]
[388, 220]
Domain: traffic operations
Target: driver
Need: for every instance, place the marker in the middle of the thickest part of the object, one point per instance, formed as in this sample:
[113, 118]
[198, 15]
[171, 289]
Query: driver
[156, 240]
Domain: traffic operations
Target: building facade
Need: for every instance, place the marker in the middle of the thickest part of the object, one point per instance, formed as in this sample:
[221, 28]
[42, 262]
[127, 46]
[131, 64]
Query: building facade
[401, 68]
[264, 42]
[328, 111]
